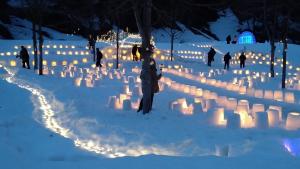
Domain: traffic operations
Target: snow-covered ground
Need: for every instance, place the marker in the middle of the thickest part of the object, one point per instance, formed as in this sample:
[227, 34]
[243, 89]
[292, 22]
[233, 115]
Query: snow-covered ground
[64, 119]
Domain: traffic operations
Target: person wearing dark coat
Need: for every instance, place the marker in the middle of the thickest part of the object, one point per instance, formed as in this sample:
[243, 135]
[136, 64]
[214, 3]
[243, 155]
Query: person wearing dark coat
[99, 57]
[154, 83]
[227, 58]
[234, 41]
[210, 56]
[134, 52]
[92, 42]
[242, 60]
[228, 39]
[25, 57]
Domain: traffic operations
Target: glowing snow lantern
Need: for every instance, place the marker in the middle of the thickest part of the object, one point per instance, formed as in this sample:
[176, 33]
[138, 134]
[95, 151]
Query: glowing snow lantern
[64, 63]
[216, 117]
[258, 93]
[243, 107]
[258, 108]
[45, 62]
[293, 121]
[13, 63]
[277, 108]
[231, 104]
[84, 60]
[77, 82]
[289, 97]
[273, 117]
[127, 105]
[278, 95]
[75, 62]
[261, 120]
[53, 63]
[233, 120]
[269, 95]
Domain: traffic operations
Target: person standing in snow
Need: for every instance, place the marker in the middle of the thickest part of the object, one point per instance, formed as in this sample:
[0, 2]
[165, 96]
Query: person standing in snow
[134, 52]
[227, 59]
[92, 45]
[25, 57]
[210, 56]
[228, 39]
[234, 41]
[154, 83]
[242, 59]
[99, 57]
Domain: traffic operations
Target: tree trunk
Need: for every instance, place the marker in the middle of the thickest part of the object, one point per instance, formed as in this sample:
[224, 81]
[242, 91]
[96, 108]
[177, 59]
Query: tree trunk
[94, 48]
[40, 49]
[273, 47]
[143, 21]
[172, 45]
[117, 39]
[285, 46]
[35, 50]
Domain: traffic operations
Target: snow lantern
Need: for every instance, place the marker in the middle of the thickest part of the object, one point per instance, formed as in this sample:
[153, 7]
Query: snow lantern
[293, 121]
[233, 121]
[273, 117]
[261, 120]
[246, 37]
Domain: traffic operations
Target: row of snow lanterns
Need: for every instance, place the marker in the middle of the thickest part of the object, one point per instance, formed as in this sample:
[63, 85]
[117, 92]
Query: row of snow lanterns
[292, 82]
[202, 45]
[277, 95]
[89, 76]
[129, 99]
[260, 59]
[223, 111]
[126, 55]
[16, 53]
[49, 46]
[13, 63]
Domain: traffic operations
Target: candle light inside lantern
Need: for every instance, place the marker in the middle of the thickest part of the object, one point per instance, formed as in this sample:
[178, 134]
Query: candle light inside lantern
[13, 63]
[293, 121]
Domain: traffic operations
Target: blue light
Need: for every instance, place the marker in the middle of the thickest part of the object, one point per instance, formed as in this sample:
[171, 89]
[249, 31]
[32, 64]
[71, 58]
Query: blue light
[246, 38]
[292, 146]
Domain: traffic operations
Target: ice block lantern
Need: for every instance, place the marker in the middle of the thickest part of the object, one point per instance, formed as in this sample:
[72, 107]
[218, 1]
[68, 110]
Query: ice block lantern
[278, 95]
[293, 121]
[258, 94]
[233, 120]
[258, 108]
[261, 120]
[289, 97]
[269, 95]
[13, 63]
[273, 117]
[279, 109]
[231, 104]
[243, 107]
[216, 117]
[112, 102]
[209, 104]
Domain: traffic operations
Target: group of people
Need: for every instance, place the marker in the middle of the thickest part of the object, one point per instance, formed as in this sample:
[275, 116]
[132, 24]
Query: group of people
[227, 57]
[234, 41]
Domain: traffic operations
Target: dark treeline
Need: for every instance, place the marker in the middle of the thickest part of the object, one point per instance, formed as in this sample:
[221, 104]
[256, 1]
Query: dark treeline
[97, 16]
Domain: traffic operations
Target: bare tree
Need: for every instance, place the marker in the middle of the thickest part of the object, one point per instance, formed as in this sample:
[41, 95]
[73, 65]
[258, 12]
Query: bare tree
[37, 9]
[32, 8]
[270, 23]
[142, 13]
